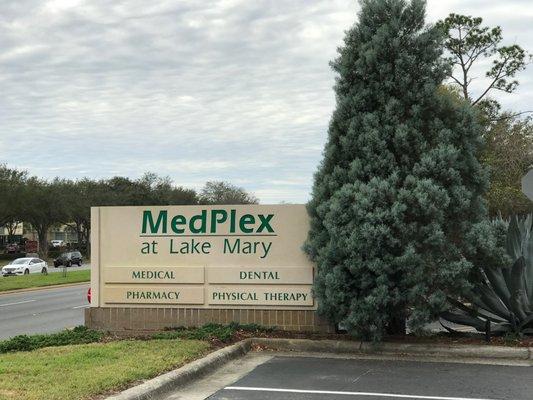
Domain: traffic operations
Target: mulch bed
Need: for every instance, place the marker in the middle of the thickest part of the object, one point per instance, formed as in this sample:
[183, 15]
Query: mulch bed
[443, 338]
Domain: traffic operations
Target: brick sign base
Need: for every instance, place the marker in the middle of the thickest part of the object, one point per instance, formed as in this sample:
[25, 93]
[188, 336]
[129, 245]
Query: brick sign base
[134, 321]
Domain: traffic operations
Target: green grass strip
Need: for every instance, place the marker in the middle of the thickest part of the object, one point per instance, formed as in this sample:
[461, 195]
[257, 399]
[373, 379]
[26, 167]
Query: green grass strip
[77, 372]
[39, 280]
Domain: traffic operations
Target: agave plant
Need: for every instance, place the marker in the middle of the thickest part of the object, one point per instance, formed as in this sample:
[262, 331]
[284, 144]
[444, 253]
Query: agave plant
[502, 301]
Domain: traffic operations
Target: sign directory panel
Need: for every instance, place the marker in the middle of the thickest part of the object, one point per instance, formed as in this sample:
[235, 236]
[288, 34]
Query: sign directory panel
[240, 256]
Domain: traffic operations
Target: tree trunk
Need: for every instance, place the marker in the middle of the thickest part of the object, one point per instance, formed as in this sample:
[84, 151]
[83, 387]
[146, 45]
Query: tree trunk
[79, 233]
[397, 325]
[11, 229]
[42, 233]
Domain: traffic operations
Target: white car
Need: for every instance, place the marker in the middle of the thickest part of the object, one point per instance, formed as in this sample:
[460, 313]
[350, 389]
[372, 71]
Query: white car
[57, 243]
[24, 266]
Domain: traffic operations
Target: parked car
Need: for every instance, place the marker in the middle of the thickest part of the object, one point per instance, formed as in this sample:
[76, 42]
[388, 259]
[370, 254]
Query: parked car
[25, 266]
[57, 243]
[69, 259]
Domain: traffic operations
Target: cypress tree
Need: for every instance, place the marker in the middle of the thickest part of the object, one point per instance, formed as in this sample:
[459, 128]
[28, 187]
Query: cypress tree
[400, 185]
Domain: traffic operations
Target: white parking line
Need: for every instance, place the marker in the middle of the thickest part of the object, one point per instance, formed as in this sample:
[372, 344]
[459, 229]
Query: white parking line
[83, 306]
[18, 302]
[368, 394]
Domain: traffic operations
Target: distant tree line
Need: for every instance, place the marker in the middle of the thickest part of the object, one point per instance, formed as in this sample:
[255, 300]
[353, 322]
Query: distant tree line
[47, 203]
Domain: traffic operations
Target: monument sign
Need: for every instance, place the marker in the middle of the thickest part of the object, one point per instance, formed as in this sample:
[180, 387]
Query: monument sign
[231, 257]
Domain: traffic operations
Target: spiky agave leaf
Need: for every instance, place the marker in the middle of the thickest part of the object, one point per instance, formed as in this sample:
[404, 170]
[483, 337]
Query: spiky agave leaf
[464, 319]
[499, 284]
[505, 296]
[519, 299]
[487, 299]
[527, 253]
[460, 318]
[483, 313]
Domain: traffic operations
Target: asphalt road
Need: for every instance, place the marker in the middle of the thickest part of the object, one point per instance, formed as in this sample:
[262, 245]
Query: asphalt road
[42, 311]
[299, 378]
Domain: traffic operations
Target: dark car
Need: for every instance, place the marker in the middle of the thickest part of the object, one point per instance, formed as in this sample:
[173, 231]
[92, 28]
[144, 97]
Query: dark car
[69, 259]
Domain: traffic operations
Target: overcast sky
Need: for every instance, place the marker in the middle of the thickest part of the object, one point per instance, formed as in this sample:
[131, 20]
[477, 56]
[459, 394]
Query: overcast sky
[234, 90]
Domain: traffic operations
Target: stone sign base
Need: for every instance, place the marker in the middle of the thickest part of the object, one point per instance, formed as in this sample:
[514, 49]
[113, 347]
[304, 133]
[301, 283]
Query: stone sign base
[121, 320]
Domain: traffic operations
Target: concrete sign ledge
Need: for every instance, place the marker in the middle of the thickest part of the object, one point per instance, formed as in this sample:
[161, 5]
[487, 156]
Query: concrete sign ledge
[431, 352]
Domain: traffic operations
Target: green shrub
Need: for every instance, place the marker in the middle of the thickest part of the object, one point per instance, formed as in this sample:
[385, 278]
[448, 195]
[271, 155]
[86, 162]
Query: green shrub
[211, 331]
[78, 335]
[251, 327]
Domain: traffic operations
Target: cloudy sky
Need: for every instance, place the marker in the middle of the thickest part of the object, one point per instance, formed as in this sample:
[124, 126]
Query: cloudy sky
[235, 90]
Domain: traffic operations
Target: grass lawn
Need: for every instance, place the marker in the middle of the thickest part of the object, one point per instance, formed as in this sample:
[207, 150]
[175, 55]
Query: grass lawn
[37, 280]
[83, 371]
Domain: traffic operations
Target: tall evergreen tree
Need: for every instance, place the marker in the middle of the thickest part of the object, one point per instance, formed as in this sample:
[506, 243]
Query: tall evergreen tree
[400, 185]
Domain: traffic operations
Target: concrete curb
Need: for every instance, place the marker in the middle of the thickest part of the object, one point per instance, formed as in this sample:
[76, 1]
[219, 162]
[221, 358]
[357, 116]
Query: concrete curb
[49, 287]
[411, 349]
[181, 376]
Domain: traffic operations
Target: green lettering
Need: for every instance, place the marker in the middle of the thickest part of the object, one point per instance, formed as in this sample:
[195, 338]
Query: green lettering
[233, 217]
[148, 222]
[203, 222]
[265, 223]
[246, 219]
[236, 247]
[214, 220]
[178, 220]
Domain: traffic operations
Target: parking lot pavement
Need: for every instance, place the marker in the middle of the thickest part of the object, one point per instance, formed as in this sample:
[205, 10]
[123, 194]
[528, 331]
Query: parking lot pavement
[298, 378]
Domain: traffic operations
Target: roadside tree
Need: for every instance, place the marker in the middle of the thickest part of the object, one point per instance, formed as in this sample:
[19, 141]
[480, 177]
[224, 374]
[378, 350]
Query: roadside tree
[150, 189]
[43, 205]
[400, 185]
[11, 186]
[470, 46]
[218, 192]
[80, 196]
[509, 154]
[162, 191]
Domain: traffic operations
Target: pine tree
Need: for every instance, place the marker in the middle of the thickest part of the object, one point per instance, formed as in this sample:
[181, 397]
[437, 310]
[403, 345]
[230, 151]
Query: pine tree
[400, 185]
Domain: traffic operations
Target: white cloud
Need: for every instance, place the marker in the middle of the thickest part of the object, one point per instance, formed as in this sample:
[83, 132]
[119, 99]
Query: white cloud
[231, 90]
